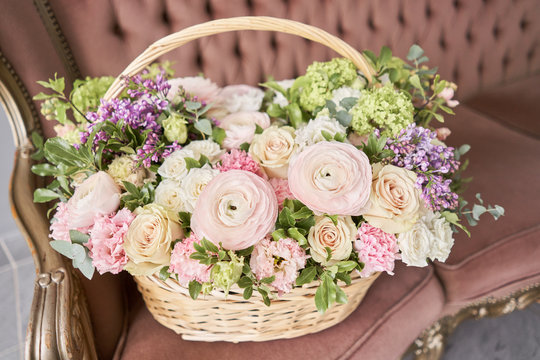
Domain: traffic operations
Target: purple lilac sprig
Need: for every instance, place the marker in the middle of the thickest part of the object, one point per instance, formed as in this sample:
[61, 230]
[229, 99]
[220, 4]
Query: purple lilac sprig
[415, 149]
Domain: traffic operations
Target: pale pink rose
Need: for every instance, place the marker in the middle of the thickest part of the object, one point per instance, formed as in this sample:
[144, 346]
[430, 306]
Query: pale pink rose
[282, 259]
[204, 89]
[281, 187]
[443, 133]
[238, 98]
[331, 178]
[376, 249]
[59, 225]
[97, 195]
[107, 240]
[447, 94]
[240, 127]
[236, 208]
[188, 269]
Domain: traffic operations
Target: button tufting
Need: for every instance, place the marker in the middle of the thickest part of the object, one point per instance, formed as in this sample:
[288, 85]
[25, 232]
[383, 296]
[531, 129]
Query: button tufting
[457, 4]
[165, 17]
[496, 31]
[523, 24]
[428, 11]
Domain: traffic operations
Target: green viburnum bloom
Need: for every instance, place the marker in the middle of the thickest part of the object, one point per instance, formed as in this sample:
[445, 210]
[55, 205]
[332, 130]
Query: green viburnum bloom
[87, 93]
[323, 78]
[225, 274]
[382, 108]
[175, 128]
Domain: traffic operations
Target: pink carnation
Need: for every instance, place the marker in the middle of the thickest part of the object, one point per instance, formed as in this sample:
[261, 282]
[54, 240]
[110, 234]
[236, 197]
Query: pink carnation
[283, 258]
[188, 269]
[238, 160]
[281, 187]
[376, 249]
[107, 240]
[60, 224]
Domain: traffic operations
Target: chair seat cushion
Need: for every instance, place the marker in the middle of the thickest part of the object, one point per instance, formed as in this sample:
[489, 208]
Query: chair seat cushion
[395, 310]
[514, 104]
[505, 166]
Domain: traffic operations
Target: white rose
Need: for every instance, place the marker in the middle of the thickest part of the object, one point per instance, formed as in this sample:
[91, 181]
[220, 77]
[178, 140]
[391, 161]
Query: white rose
[442, 235]
[311, 133]
[194, 183]
[240, 127]
[96, 195]
[342, 93]
[169, 195]
[415, 245]
[238, 98]
[124, 168]
[339, 238]
[208, 148]
[148, 240]
[273, 149]
[175, 167]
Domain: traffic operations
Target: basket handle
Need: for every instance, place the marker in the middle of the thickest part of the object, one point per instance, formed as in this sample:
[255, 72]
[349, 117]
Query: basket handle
[265, 23]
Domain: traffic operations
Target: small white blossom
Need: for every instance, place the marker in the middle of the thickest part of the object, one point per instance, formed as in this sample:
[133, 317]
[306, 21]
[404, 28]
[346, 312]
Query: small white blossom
[311, 133]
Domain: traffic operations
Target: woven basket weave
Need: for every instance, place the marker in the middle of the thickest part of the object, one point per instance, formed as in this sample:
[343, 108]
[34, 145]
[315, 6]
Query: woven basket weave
[216, 317]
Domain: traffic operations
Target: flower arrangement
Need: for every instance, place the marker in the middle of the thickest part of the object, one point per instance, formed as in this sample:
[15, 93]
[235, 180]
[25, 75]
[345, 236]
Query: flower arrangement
[317, 178]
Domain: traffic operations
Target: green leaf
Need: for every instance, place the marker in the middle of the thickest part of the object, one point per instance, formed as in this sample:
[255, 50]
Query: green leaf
[265, 297]
[344, 118]
[415, 52]
[204, 126]
[286, 218]
[203, 160]
[423, 59]
[326, 135]
[385, 56]
[321, 299]
[244, 147]
[274, 86]
[295, 115]
[218, 134]
[438, 117]
[130, 187]
[331, 107]
[268, 280]
[164, 273]
[415, 81]
[195, 288]
[59, 151]
[275, 111]
[341, 297]
[245, 282]
[185, 219]
[86, 267]
[45, 170]
[78, 237]
[333, 218]
[296, 235]
[245, 252]
[44, 195]
[248, 292]
[63, 247]
[191, 163]
[279, 234]
[209, 246]
[346, 278]
[348, 102]
[258, 129]
[306, 276]
[328, 253]
[193, 105]
[346, 266]
[37, 140]
[477, 211]
[463, 149]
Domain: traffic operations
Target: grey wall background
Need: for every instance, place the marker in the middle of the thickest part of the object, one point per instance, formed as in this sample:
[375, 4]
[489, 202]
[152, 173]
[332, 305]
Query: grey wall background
[512, 337]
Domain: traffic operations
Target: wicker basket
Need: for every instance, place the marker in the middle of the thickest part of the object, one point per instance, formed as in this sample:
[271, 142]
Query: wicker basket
[216, 317]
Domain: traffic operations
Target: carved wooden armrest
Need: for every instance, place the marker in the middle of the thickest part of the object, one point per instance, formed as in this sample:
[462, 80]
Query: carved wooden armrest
[59, 325]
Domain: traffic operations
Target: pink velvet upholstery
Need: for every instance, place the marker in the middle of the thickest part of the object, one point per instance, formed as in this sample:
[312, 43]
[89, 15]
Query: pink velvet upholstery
[396, 308]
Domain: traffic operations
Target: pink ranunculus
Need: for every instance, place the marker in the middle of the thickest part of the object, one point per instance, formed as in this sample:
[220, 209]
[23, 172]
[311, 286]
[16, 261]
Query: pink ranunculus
[447, 94]
[240, 127]
[204, 89]
[236, 208]
[97, 195]
[283, 258]
[281, 187]
[186, 268]
[331, 178]
[60, 224]
[107, 239]
[377, 249]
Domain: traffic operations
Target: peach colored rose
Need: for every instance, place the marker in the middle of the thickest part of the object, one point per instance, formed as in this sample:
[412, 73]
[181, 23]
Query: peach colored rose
[338, 237]
[97, 195]
[240, 127]
[236, 208]
[331, 178]
[395, 201]
[273, 150]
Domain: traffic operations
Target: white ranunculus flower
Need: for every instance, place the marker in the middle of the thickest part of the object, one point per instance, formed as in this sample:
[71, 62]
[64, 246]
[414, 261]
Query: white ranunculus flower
[240, 127]
[442, 233]
[124, 168]
[242, 98]
[208, 148]
[174, 167]
[273, 150]
[169, 195]
[342, 93]
[194, 183]
[339, 238]
[416, 244]
[311, 133]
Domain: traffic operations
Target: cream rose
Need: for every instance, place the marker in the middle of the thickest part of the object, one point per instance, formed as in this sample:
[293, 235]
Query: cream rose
[208, 148]
[97, 195]
[239, 98]
[273, 150]
[148, 240]
[415, 245]
[124, 168]
[236, 208]
[339, 238]
[442, 235]
[395, 201]
[240, 127]
[331, 178]
[169, 195]
[311, 133]
[194, 183]
[175, 167]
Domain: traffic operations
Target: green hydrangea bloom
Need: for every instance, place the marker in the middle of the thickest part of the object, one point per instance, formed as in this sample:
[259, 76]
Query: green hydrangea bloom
[322, 78]
[382, 108]
[225, 274]
[86, 94]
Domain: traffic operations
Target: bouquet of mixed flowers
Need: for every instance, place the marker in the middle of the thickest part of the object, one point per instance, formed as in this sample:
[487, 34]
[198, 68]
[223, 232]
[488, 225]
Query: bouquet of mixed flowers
[319, 178]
